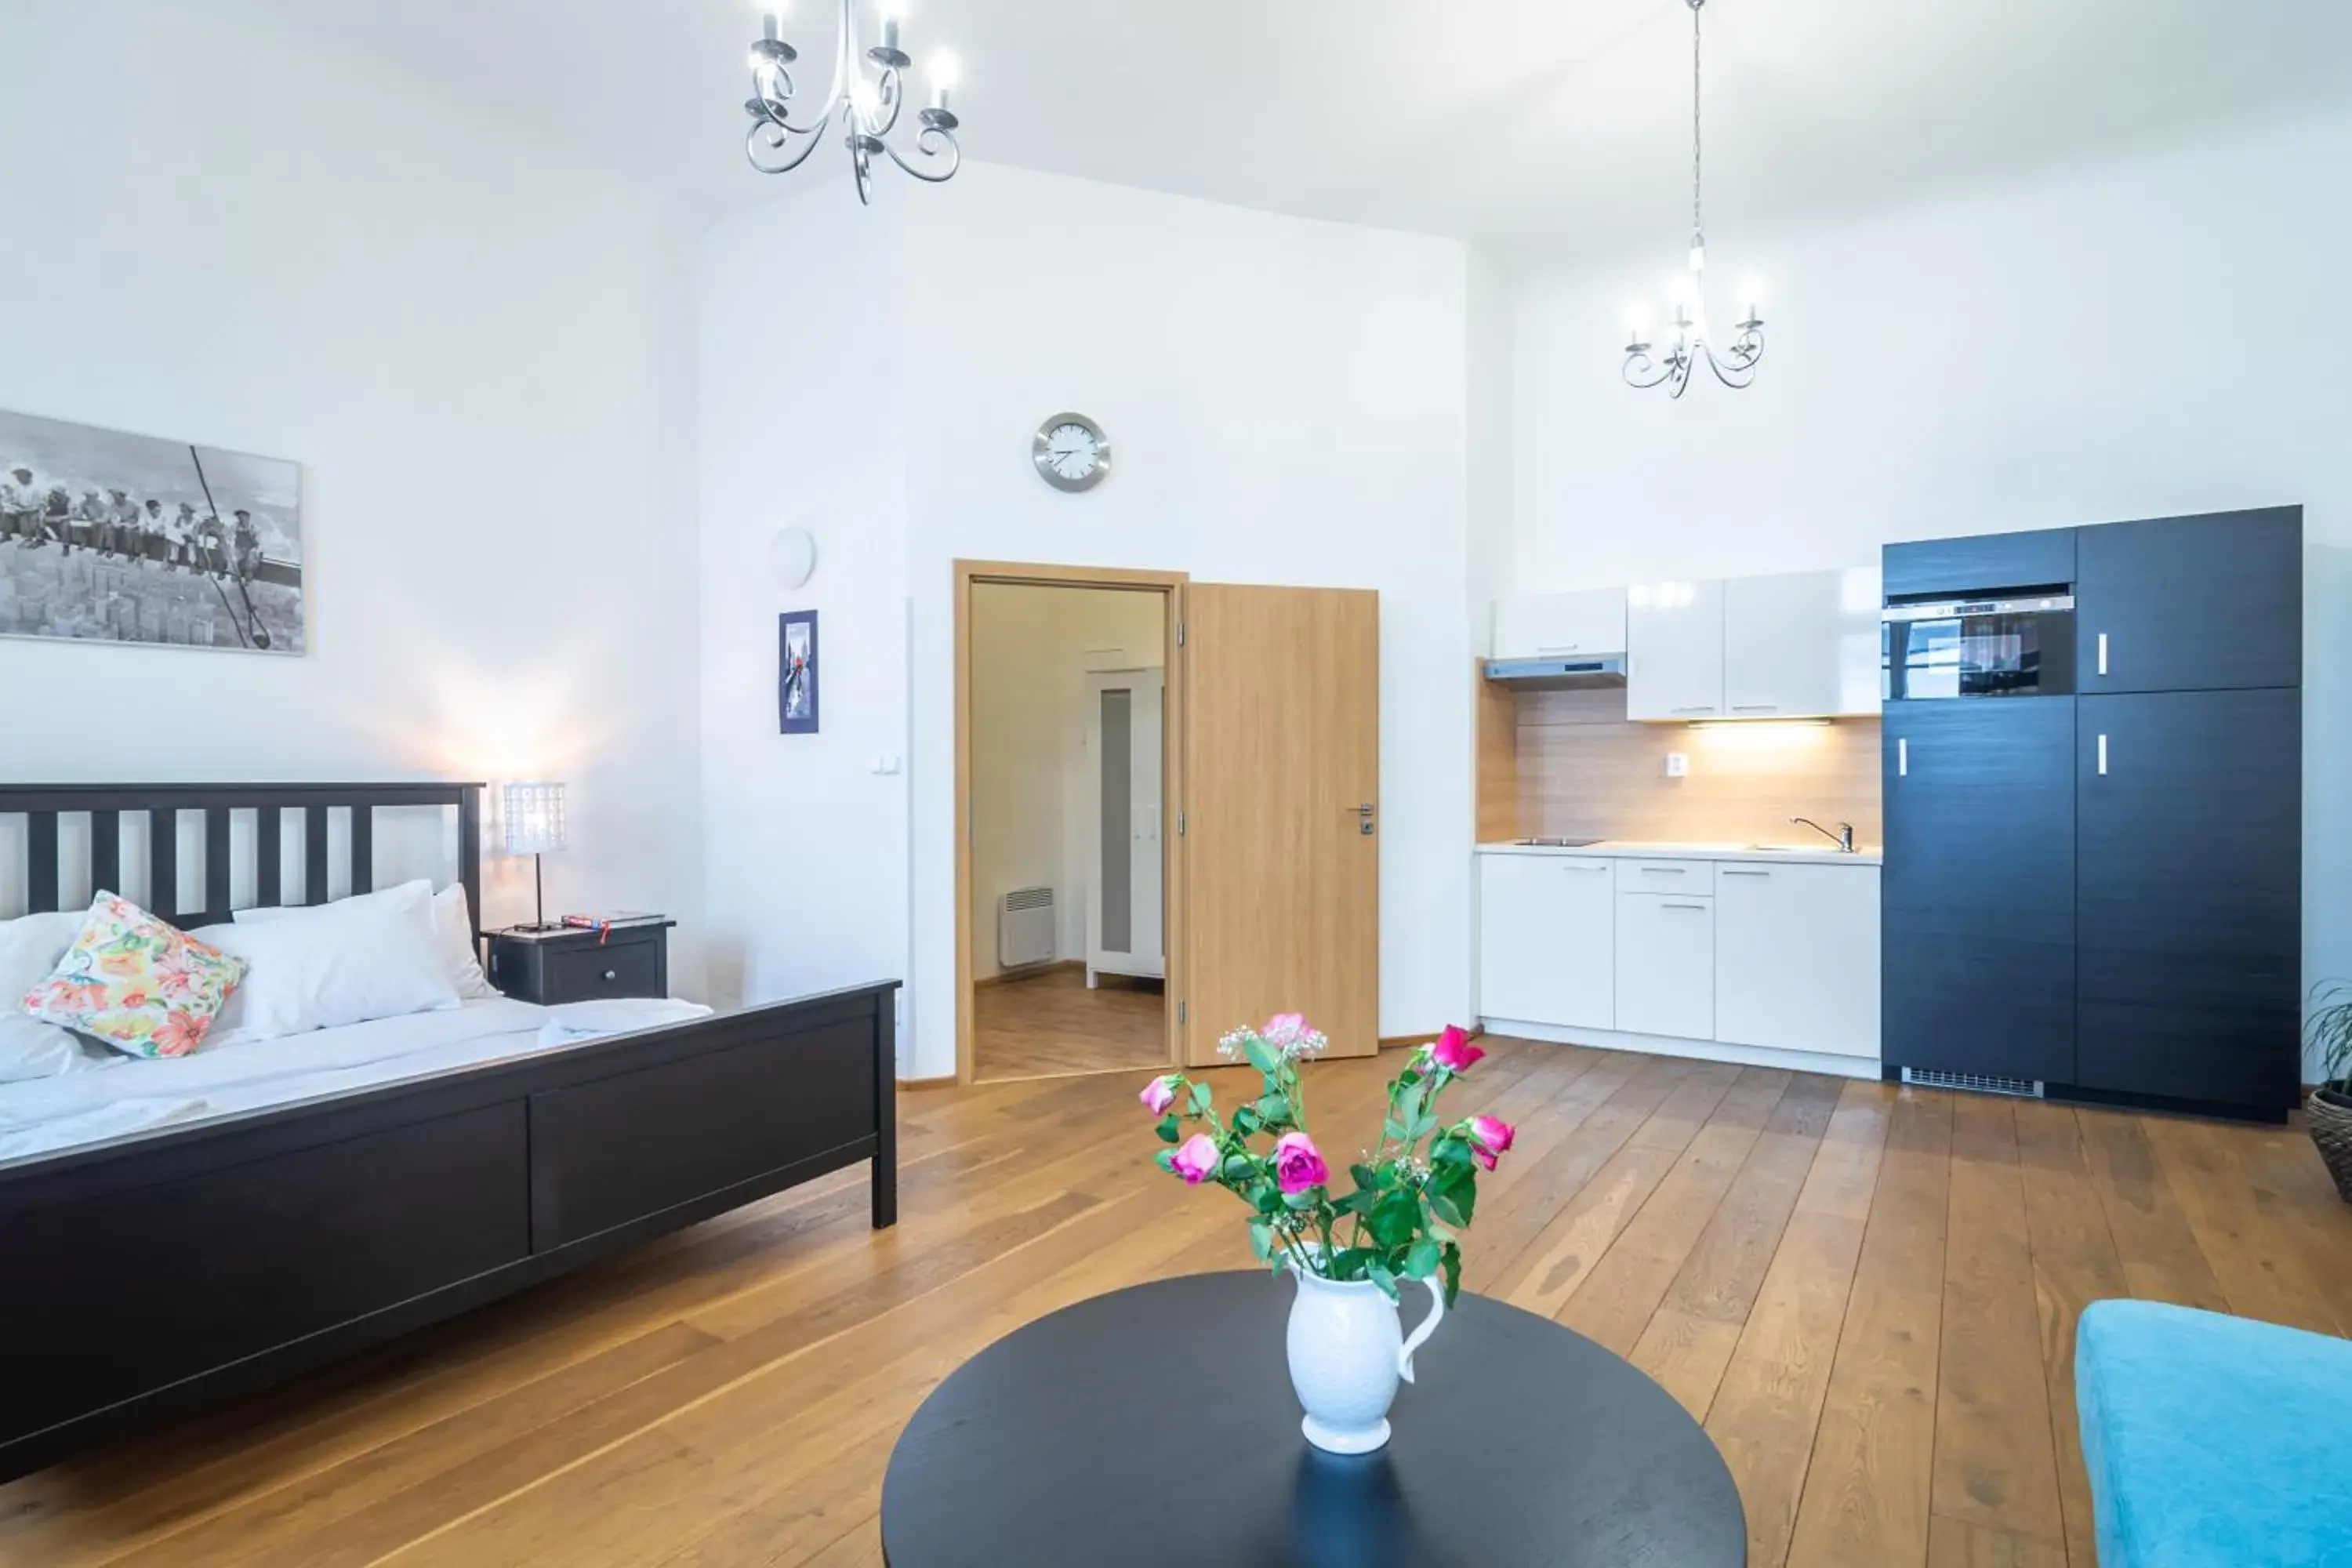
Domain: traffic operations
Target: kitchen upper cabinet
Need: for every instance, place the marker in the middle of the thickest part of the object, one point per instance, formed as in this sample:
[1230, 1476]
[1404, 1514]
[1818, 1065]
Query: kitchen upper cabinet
[1978, 895]
[1546, 625]
[2189, 879]
[1547, 940]
[1796, 953]
[1665, 966]
[2190, 603]
[1981, 564]
[1674, 651]
[1801, 643]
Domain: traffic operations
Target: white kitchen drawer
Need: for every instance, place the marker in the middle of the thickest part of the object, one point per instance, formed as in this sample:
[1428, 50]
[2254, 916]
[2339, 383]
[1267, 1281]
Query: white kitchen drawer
[1674, 651]
[1547, 940]
[1547, 625]
[1692, 876]
[1665, 966]
[1796, 958]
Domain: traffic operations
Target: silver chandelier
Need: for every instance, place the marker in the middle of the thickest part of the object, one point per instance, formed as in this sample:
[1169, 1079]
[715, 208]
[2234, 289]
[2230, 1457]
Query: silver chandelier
[868, 105]
[1672, 366]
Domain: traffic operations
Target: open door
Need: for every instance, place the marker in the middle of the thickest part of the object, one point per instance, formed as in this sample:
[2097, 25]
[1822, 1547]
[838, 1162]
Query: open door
[1281, 846]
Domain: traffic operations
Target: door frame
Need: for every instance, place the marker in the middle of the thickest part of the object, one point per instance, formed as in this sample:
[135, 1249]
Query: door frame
[1169, 586]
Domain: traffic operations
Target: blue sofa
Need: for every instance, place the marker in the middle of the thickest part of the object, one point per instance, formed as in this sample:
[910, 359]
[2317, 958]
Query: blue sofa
[2214, 1441]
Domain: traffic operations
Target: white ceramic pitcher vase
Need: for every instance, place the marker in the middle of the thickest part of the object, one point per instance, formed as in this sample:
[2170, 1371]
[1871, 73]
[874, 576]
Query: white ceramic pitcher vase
[1348, 1349]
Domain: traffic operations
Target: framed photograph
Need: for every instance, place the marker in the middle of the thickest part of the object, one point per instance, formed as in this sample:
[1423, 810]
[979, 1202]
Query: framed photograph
[796, 678]
[109, 537]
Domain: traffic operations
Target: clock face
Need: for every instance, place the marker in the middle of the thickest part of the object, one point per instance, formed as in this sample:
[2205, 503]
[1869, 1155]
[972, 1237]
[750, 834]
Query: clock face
[1071, 452]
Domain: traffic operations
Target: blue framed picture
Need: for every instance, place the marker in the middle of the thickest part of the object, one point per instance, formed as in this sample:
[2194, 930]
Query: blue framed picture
[796, 672]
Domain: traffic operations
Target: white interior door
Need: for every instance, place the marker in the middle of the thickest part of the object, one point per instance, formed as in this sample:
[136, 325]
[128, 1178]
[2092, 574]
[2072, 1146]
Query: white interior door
[1126, 914]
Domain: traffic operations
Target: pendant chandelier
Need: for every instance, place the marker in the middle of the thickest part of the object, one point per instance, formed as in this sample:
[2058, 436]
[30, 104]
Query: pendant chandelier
[868, 105]
[1671, 365]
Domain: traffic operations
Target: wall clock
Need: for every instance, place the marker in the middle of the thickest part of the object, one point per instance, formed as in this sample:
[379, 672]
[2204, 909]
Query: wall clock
[1071, 452]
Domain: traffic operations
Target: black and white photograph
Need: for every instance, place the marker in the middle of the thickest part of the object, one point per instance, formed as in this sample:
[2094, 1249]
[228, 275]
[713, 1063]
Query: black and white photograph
[109, 537]
[796, 672]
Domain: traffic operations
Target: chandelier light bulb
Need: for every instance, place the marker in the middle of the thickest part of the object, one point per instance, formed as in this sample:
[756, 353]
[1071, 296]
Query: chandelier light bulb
[943, 80]
[867, 98]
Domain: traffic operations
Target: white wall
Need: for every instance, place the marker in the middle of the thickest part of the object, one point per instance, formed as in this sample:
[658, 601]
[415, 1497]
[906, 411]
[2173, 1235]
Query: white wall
[1032, 789]
[468, 343]
[2124, 339]
[1285, 400]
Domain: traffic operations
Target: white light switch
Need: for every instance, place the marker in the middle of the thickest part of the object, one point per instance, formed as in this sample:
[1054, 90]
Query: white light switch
[885, 762]
[1677, 764]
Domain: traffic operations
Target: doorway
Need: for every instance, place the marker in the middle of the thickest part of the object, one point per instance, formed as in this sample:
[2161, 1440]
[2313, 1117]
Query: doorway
[1066, 801]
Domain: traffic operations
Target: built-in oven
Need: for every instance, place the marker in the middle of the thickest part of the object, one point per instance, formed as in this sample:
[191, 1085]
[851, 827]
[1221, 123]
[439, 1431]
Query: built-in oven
[2014, 645]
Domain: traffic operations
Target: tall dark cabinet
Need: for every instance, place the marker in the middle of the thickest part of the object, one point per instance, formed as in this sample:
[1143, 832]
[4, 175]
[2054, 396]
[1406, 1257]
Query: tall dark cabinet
[2102, 892]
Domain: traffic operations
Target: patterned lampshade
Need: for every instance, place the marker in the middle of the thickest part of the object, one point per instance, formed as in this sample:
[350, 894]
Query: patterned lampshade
[533, 814]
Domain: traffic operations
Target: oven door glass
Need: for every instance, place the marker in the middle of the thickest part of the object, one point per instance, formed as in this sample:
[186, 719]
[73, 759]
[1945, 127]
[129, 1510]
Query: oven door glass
[1996, 654]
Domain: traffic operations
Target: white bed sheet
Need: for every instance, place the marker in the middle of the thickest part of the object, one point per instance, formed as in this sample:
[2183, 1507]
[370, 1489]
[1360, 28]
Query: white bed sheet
[46, 1115]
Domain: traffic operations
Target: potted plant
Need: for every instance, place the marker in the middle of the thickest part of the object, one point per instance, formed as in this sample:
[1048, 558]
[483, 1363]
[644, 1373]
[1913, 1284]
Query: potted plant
[2329, 1109]
[1412, 1195]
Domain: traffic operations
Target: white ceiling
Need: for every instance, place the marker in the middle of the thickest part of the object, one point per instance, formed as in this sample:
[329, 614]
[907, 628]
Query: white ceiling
[1537, 127]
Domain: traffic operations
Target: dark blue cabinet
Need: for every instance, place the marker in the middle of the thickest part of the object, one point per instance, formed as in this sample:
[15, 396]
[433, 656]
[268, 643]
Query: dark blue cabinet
[2190, 603]
[1981, 564]
[1977, 899]
[2189, 895]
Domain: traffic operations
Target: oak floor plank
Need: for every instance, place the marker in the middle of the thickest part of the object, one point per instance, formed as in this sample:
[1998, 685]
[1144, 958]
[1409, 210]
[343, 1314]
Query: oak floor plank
[2161, 1258]
[1954, 1543]
[2258, 1266]
[1994, 1461]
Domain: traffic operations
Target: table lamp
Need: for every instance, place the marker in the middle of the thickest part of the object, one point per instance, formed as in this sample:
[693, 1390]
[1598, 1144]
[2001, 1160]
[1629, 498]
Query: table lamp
[533, 814]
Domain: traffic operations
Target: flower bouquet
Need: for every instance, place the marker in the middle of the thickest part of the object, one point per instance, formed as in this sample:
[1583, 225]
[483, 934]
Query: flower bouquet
[1412, 1195]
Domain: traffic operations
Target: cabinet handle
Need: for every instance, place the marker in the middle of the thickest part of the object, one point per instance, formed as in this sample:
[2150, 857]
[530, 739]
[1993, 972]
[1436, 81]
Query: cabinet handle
[1700, 908]
[1665, 872]
[1756, 708]
[2103, 653]
[1705, 708]
[1903, 758]
[1559, 646]
[1729, 871]
[2103, 756]
[611, 976]
[1584, 867]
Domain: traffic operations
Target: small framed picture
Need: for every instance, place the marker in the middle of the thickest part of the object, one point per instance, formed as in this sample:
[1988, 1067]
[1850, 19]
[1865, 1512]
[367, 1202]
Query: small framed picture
[796, 675]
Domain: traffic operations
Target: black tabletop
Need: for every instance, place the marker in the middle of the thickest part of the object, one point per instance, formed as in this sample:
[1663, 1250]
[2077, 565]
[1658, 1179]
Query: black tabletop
[1157, 1426]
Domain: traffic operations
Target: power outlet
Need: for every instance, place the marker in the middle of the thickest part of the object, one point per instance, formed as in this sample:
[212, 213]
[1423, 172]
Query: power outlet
[1677, 764]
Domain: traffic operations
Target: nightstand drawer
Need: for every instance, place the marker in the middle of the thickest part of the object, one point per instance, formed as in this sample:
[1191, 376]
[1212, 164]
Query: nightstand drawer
[616, 969]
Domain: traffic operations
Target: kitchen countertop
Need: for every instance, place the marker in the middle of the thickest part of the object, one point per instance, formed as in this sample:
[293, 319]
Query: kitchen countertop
[1826, 853]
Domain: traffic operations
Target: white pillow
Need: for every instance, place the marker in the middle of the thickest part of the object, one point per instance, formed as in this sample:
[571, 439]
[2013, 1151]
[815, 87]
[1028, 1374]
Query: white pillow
[30, 947]
[369, 957]
[453, 929]
[30, 1049]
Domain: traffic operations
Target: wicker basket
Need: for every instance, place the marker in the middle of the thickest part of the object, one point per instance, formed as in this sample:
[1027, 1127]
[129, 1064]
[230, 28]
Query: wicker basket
[2329, 1112]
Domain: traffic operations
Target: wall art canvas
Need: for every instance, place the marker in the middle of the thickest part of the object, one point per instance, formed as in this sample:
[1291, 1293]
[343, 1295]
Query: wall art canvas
[107, 537]
[796, 680]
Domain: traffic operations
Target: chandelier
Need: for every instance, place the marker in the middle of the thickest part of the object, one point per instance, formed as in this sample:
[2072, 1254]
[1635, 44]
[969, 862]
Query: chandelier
[1671, 366]
[868, 106]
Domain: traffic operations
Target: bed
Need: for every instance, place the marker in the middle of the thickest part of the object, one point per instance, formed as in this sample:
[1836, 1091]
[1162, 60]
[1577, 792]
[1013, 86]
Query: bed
[174, 1238]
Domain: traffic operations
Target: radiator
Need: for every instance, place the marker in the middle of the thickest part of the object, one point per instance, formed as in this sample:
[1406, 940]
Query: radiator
[1024, 928]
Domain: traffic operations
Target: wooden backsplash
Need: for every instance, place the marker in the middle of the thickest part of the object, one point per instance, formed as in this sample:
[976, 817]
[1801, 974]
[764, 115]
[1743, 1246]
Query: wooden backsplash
[1584, 771]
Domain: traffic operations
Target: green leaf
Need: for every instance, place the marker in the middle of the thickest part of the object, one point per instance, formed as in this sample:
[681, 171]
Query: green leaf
[1451, 1262]
[1384, 1279]
[1441, 1205]
[1421, 1258]
[1300, 1201]
[1459, 1188]
[1353, 1262]
[1200, 1100]
[1245, 1121]
[1408, 1106]
[1364, 1176]
[1166, 1160]
[1261, 1239]
[1237, 1168]
[1392, 1128]
[1395, 1219]
[1450, 1150]
[1275, 1108]
[1167, 1128]
[1421, 1128]
[1261, 1055]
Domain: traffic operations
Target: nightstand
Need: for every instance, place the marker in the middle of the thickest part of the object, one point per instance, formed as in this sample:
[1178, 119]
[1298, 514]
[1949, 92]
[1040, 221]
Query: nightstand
[550, 967]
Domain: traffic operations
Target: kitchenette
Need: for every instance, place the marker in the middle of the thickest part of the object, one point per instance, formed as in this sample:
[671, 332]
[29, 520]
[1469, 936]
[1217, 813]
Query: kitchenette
[1978, 815]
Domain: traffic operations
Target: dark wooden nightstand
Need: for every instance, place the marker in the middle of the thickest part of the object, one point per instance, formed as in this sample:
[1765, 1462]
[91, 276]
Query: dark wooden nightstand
[582, 965]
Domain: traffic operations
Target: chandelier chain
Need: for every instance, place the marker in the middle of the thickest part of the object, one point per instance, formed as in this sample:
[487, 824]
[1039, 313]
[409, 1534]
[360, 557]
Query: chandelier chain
[1697, 227]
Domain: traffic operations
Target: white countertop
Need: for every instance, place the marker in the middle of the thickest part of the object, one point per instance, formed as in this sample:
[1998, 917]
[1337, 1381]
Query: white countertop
[1823, 854]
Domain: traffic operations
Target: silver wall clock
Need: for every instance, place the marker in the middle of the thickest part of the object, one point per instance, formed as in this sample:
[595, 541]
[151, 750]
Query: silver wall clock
[1071, 452]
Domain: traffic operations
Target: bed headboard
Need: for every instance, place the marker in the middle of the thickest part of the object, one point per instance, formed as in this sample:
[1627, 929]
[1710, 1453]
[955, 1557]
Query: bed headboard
[160, 805]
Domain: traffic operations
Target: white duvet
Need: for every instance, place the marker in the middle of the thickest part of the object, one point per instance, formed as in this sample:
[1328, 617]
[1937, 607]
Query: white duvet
[48, 1114]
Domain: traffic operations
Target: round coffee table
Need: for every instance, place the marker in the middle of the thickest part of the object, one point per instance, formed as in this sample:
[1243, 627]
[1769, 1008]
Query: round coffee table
[1156, 1425]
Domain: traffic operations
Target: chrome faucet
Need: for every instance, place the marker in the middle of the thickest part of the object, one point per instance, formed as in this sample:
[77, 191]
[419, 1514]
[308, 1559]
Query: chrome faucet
[1842, 837]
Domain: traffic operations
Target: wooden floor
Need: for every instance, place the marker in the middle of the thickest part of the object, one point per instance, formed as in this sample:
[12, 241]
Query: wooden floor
[1052, 1023]
[1869, 1296]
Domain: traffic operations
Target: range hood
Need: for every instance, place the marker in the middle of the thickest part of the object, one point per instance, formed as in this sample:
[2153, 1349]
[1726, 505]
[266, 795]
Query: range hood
[1553, 672]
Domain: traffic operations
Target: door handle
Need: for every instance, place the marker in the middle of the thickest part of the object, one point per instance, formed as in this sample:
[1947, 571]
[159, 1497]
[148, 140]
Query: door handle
[2103, 653]
[2103, 756]
[1364, 815]
[1903, 757]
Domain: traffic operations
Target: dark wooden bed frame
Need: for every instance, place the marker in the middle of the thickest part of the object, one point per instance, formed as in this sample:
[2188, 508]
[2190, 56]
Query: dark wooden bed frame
[149, 1276]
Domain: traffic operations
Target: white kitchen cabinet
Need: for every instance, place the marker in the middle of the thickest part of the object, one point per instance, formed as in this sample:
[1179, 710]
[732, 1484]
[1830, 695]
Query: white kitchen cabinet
[1674, 650]
[1796, 958]
[1544, 625]
[1801, 643]
[1665, 966]
[1547, 940]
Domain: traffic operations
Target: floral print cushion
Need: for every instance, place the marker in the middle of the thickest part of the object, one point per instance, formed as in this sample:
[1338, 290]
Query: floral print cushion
[135, 983]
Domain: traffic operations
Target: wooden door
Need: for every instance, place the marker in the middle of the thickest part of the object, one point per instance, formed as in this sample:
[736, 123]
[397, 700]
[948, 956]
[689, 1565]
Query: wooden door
[2191, 876]
[2190, 603]
[1281, 837]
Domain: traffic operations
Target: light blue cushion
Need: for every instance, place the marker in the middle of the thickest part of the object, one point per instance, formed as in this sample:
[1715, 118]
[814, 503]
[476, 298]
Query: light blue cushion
[2214, 1441]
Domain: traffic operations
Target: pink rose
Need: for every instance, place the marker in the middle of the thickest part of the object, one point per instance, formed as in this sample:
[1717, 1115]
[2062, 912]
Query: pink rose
[1297, 1163]
[1454, 1051]
[1159, 1094]
[1284, 1029]
[1194, 1159]
[1490, 1136]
